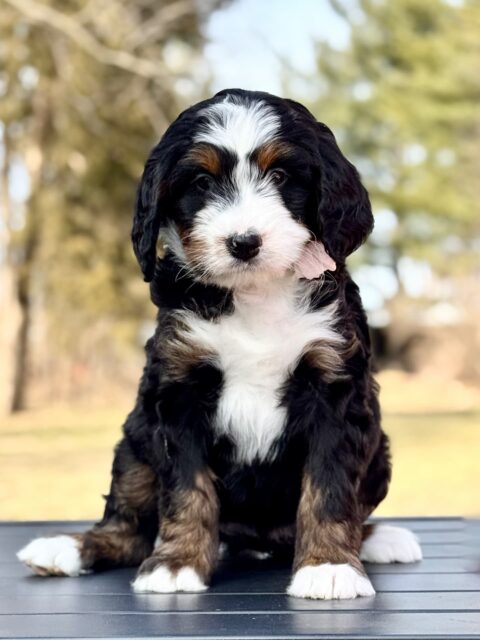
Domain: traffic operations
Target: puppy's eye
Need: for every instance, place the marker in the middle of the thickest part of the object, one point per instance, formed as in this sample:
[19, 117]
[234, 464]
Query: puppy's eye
[203, 182]
[278, 177]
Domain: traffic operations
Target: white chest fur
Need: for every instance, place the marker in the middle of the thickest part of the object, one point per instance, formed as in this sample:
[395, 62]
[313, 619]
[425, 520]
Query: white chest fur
[257, 347]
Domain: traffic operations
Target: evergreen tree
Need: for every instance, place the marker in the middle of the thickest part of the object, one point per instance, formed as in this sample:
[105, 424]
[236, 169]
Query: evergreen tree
[403, 100]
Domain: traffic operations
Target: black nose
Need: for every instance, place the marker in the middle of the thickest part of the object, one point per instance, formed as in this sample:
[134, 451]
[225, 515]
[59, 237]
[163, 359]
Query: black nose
[244, 246]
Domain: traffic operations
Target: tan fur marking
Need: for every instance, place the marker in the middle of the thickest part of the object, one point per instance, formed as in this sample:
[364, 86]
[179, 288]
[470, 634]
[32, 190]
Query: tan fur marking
[182, 352]
[327, 357]
[206, 156]
[351, 346]
[136, 488]
[319, 541]
[269, 153]
[238, 529]
[195, 249]
[330, 357]
[45, 571]
[367, 530]
[190, 535]
[282, 535]
[115, 544]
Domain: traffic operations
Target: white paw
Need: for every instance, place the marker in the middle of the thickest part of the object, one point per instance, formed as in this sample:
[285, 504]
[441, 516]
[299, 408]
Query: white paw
[329, 582]
[57, 556]
[390, 544]
[162, 580]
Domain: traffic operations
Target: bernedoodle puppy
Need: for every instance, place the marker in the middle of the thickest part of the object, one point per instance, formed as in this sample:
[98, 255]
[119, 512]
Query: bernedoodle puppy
[257, 421]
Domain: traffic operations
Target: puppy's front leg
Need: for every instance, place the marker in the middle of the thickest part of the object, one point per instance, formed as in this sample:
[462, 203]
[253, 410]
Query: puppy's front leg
[186, 555]
[327, 564]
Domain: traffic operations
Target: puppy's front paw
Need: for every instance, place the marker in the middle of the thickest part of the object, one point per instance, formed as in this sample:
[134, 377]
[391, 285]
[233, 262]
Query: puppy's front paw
[329, 582]
[57, 556]
[162, 580]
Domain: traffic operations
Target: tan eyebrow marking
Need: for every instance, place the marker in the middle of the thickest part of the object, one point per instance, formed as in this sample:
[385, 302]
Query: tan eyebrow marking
[269, 153]
[205, 156]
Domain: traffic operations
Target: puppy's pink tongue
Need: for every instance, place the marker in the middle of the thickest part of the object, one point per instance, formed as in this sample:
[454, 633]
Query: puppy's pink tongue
[313, 261]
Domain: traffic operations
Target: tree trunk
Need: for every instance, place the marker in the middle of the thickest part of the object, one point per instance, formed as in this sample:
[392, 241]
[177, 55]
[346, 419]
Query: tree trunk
[9, 308]
[21, 357]
[34, 160]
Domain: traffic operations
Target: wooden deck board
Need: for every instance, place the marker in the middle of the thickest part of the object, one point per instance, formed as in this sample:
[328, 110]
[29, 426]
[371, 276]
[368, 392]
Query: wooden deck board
[437, 598]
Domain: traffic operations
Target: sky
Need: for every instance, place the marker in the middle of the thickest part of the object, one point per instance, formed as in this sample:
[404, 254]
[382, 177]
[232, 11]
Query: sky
[250, 38]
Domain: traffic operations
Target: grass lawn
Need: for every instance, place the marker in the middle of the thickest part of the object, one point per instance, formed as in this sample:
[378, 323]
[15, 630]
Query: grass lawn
[55, 462]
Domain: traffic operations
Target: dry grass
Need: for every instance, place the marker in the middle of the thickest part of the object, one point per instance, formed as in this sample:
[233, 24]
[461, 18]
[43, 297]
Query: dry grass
[55, 463]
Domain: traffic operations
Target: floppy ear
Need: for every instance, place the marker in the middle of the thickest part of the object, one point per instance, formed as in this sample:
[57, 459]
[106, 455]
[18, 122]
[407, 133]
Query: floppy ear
[149, 205]
[344, 211]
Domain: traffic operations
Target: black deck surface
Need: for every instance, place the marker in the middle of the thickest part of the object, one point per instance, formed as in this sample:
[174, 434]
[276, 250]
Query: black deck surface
[436, 598]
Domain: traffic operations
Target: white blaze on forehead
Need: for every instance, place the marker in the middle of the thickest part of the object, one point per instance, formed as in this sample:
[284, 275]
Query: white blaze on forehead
[239, 127]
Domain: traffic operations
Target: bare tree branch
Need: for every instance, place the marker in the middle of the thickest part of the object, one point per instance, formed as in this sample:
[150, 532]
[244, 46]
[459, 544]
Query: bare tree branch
[40, 13]
[341, 10]
[155, 115]
[157, 27]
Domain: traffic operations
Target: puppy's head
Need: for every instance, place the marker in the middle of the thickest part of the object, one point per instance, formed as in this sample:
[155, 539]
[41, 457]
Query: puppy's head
[240, 183]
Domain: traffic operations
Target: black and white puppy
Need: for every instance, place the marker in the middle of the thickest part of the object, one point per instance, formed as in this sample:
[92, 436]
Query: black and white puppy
[257, 420]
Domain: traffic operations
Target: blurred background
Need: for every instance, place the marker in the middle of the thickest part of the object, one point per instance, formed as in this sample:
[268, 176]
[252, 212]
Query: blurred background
[88, 86]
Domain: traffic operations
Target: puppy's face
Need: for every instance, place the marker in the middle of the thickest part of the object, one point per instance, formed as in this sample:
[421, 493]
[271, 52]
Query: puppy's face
[240, 183]
[240, 195]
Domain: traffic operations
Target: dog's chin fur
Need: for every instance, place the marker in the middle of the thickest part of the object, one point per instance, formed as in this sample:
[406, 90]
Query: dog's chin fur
[245, 277]
[257, 420]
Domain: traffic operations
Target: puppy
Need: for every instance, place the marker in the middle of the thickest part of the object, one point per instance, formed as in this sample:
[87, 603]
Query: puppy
[257, 420]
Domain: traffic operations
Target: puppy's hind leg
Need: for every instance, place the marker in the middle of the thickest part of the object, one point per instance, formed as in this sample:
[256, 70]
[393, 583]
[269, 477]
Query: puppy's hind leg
[124, 537]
